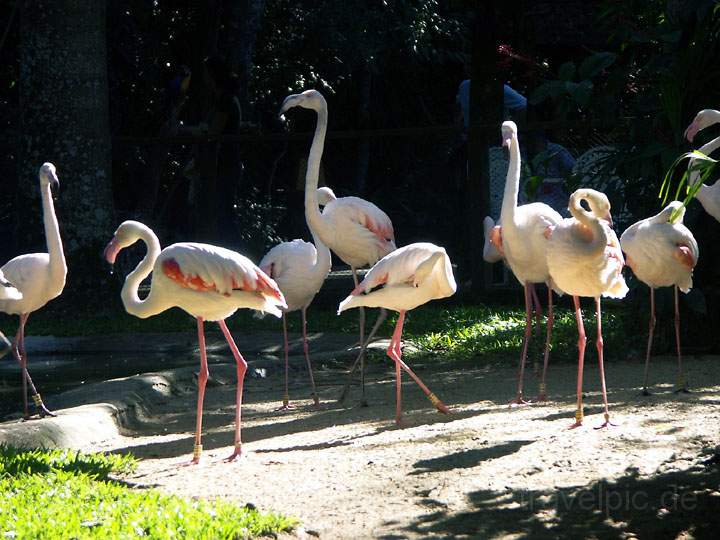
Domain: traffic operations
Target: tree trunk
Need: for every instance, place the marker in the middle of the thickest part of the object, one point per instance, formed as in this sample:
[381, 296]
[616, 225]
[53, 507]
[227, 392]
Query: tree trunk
[64, 119]
[243, 19]
[485, 109]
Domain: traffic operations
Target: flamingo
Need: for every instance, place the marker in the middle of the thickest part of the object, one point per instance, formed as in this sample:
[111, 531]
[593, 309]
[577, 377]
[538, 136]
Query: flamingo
[355, 229]
[709, 196]
[299, 268]
[39, 277]
[208, 282]
[585, 259]
[7, 292]
[662, 254]
[523, 244]
[408, 277]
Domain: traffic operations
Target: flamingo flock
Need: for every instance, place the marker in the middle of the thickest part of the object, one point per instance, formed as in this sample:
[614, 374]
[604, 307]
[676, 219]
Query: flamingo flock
[580, 256]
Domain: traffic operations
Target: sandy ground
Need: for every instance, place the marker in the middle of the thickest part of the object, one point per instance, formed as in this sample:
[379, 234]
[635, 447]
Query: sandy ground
[485, 470]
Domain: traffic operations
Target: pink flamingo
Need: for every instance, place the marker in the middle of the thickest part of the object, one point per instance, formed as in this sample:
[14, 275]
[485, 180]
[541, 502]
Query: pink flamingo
[208, 282]
[299, 268]
[708, 196]
[522, 242]
[662, 254]
[585, 259]
[355, 229]
[408, 277]
[39, 277]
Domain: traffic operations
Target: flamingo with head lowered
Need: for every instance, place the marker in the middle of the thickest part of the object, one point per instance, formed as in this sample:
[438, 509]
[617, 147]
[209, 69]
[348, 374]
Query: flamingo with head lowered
[521, 241]
[39, 277]
[208, 282]
[401, 281]
[299, 268]
[355, 229]
[585, 259]
[662, 254]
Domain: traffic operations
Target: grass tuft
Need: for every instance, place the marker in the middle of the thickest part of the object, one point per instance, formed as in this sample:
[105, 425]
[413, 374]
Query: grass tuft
[67, 494]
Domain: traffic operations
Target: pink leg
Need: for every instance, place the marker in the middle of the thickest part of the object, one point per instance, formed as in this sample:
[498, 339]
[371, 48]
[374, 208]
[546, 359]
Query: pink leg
[18, 351]
[581, 361]
[395, 352]
[649, 342]
[548, 336]
[202, 381]
[519, 400]
[362, 339]
[537, 309]
[681, 384]
[286, 395]
[241, 369]
[599, 344]
[306, 350]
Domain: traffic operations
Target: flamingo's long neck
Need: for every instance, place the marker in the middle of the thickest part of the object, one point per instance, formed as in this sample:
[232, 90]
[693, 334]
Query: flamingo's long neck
[58, 266]
[315, 221]
[707, 149]
[588, 220]
[153, 304]
[512, 184]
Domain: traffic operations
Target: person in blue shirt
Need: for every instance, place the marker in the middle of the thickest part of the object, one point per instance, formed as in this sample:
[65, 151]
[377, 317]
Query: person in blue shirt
[514, 104]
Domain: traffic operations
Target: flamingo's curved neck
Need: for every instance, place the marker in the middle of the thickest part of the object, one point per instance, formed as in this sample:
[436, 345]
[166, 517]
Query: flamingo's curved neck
[707, 149]
[512, 184]
[312, 211]
[591, 223]
[58, 266]
[152, 305]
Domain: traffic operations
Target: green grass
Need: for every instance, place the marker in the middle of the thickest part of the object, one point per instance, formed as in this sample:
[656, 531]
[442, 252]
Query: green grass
[66, 494]
[455, 333]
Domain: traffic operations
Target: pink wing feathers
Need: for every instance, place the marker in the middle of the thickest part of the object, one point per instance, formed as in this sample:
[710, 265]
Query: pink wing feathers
[369, 216]
[398, 266]
[202, 267]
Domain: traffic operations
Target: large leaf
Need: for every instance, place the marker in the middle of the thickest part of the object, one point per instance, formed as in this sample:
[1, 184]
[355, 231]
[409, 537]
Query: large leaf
[567, 71]
[594, 64]
[547, 90]
[580, 92]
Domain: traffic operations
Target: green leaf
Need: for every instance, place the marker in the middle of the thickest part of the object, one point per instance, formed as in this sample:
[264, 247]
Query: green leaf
[567, 71]
[580, 92]
[547, 90]
[596, 63]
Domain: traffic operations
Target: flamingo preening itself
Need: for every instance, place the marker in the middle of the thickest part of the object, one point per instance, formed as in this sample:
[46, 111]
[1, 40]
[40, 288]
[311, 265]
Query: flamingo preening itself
[403, 280]
[521, 240]
[208, 282]
[356, 230]
[585, 259]
[709, 196]
[39, 277]
[299, 268]
[662, 253]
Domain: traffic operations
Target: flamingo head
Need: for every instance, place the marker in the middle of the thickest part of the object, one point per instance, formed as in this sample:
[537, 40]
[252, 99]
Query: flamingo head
[703, 119]
[48, 176]
[309, 99]
[599, 205]
[677, 208]
[325, 195]
[509, 132]
[125, 235]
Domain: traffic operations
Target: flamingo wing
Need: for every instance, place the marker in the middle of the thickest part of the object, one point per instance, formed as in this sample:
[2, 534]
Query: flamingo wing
[294, 256]
[202, 267]
[365, 214]
[399, 266]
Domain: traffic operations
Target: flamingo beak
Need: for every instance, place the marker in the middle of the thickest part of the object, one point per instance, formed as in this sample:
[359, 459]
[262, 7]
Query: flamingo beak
[692, 130]
[111, 251]
[506, 141]
[288, 103]
[608, 218]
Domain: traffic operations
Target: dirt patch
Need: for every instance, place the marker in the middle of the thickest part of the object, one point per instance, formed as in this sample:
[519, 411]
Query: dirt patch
[486, 470]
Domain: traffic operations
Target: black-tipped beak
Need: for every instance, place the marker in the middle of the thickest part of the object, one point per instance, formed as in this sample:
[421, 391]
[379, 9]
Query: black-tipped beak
[54, 185]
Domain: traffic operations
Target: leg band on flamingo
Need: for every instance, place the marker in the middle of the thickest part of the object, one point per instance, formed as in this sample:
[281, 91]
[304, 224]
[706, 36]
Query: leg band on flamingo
[197, 451]
[286, 400]
[38, 400]
[579, 416]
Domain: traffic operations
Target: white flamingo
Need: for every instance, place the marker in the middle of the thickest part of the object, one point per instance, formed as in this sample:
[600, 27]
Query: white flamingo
[355, 229]
[662, 254]
[708, 196]
[585, 259]
[208, 282]
[523, 244]
[39, 277]
[408, 277]
[7, 292]
[299, 268]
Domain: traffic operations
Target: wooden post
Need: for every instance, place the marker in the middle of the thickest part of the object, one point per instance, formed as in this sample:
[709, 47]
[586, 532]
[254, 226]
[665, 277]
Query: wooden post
[483, 131]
